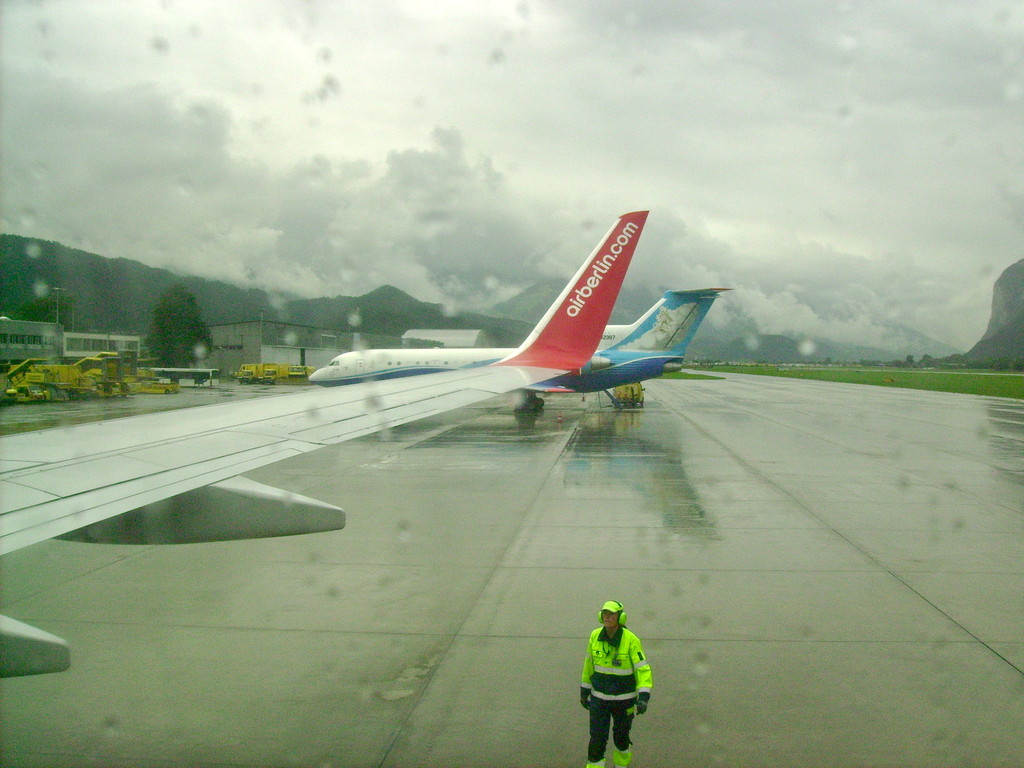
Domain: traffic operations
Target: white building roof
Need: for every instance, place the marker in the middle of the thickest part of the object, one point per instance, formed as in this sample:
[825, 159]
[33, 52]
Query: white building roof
[450, 337]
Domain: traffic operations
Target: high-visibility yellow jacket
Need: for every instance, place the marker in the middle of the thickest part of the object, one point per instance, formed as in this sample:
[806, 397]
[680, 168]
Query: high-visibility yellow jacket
[616, 669]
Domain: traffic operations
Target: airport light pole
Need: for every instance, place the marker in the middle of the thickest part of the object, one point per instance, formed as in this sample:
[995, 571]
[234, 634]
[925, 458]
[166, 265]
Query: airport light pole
[57, 292]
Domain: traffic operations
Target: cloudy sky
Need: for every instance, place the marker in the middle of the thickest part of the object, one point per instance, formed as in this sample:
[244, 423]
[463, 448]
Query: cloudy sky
[844, 166]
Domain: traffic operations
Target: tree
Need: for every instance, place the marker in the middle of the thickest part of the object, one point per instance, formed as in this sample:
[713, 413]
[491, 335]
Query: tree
[178, 335]
[55, 307]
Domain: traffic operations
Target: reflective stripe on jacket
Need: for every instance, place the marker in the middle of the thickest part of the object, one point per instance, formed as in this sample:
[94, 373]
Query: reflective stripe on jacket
[616, 673]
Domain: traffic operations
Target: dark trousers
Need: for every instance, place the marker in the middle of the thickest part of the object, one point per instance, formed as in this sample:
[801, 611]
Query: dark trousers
[602, 713]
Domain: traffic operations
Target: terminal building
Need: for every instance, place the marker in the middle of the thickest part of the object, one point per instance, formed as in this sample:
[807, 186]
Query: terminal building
[265, 341]
[78, 345]
[25, 339]
[454, 337]
[234, 344]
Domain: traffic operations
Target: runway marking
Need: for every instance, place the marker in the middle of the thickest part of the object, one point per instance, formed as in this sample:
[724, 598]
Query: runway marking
[681, 412]
[557, 448]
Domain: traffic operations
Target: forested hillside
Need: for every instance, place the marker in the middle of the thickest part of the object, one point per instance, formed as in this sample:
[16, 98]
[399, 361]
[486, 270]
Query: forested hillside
[118, 296]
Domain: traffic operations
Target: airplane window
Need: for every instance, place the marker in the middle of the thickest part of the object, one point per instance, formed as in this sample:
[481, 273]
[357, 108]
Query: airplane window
[258, 188]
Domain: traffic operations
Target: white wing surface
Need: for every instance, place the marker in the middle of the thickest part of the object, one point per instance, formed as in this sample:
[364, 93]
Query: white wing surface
[58, 480]
[175, 476]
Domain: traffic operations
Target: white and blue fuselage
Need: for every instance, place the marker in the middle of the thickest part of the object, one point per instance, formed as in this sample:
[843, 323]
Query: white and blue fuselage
[653, 345]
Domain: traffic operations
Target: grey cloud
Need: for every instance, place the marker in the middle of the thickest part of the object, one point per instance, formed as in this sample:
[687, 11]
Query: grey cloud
[834, 163]
[113, 170]
[435, 222]
[139, 173]
[433, 214]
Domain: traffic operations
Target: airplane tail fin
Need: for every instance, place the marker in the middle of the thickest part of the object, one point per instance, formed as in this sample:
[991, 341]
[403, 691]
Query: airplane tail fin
[670, 324]
[568, 334]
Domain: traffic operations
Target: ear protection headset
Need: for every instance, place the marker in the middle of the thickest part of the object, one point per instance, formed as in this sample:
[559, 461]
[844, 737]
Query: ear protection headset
[616, 607]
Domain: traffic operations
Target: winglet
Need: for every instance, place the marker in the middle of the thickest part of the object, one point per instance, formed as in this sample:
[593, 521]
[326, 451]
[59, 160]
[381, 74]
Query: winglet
[568, 334]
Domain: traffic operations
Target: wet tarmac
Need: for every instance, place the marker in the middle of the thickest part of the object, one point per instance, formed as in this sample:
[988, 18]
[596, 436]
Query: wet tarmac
[822, 575]
[31, 416]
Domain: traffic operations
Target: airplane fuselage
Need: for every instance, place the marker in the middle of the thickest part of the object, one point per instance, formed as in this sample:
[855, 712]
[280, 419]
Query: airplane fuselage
[381, 364]
[625, 368]
[653, 345]
[610, 369]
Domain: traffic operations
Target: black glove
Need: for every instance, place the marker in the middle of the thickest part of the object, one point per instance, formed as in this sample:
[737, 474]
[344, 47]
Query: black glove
[641, 703]
[585, 699]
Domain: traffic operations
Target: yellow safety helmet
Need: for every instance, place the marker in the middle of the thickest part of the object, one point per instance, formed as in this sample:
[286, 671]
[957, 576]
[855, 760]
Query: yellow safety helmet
[615, 607]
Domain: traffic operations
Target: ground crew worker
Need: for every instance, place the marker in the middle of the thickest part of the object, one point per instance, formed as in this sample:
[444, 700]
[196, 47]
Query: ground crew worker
[616, 685]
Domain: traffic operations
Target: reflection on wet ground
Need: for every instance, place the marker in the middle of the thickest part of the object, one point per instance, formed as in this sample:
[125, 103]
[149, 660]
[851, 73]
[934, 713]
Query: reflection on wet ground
[31, 416]
[1006, 435]
[639, 450]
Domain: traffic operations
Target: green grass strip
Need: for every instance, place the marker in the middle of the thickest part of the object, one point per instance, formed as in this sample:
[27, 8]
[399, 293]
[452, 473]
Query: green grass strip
[962, 382]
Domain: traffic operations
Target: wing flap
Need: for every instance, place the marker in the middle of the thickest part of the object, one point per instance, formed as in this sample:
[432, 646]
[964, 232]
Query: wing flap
[71, 478]
[49, 500]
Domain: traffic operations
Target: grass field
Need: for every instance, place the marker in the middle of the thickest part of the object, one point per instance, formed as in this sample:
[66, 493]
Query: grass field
[964, 382]
[686, 375]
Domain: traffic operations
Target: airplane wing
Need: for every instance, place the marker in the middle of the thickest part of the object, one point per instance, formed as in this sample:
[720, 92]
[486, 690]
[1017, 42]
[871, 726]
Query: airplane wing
[59, 480]
[174, 476]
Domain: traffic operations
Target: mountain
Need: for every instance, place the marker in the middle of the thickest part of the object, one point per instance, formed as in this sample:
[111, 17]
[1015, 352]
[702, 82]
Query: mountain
[112, 295]
[390, 311]
[533, 301]
[1004, 336]
[118, 296]
[779, 348]
[740, 340]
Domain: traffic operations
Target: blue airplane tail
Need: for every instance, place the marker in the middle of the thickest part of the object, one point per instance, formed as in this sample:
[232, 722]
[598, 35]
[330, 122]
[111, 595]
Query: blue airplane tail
[669, 325]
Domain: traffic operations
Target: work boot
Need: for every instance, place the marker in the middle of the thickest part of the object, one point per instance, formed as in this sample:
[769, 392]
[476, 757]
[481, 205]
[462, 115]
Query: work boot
[621, 758]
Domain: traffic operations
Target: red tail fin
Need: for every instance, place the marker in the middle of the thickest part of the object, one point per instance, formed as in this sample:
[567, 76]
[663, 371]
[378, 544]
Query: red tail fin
[568, 334]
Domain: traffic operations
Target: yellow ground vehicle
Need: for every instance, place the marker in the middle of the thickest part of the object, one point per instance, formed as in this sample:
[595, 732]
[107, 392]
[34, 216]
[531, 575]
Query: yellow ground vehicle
[250, 373]
[273, 373]
[629, 395]
[35, 380]
[299, 374]
[146, 382]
